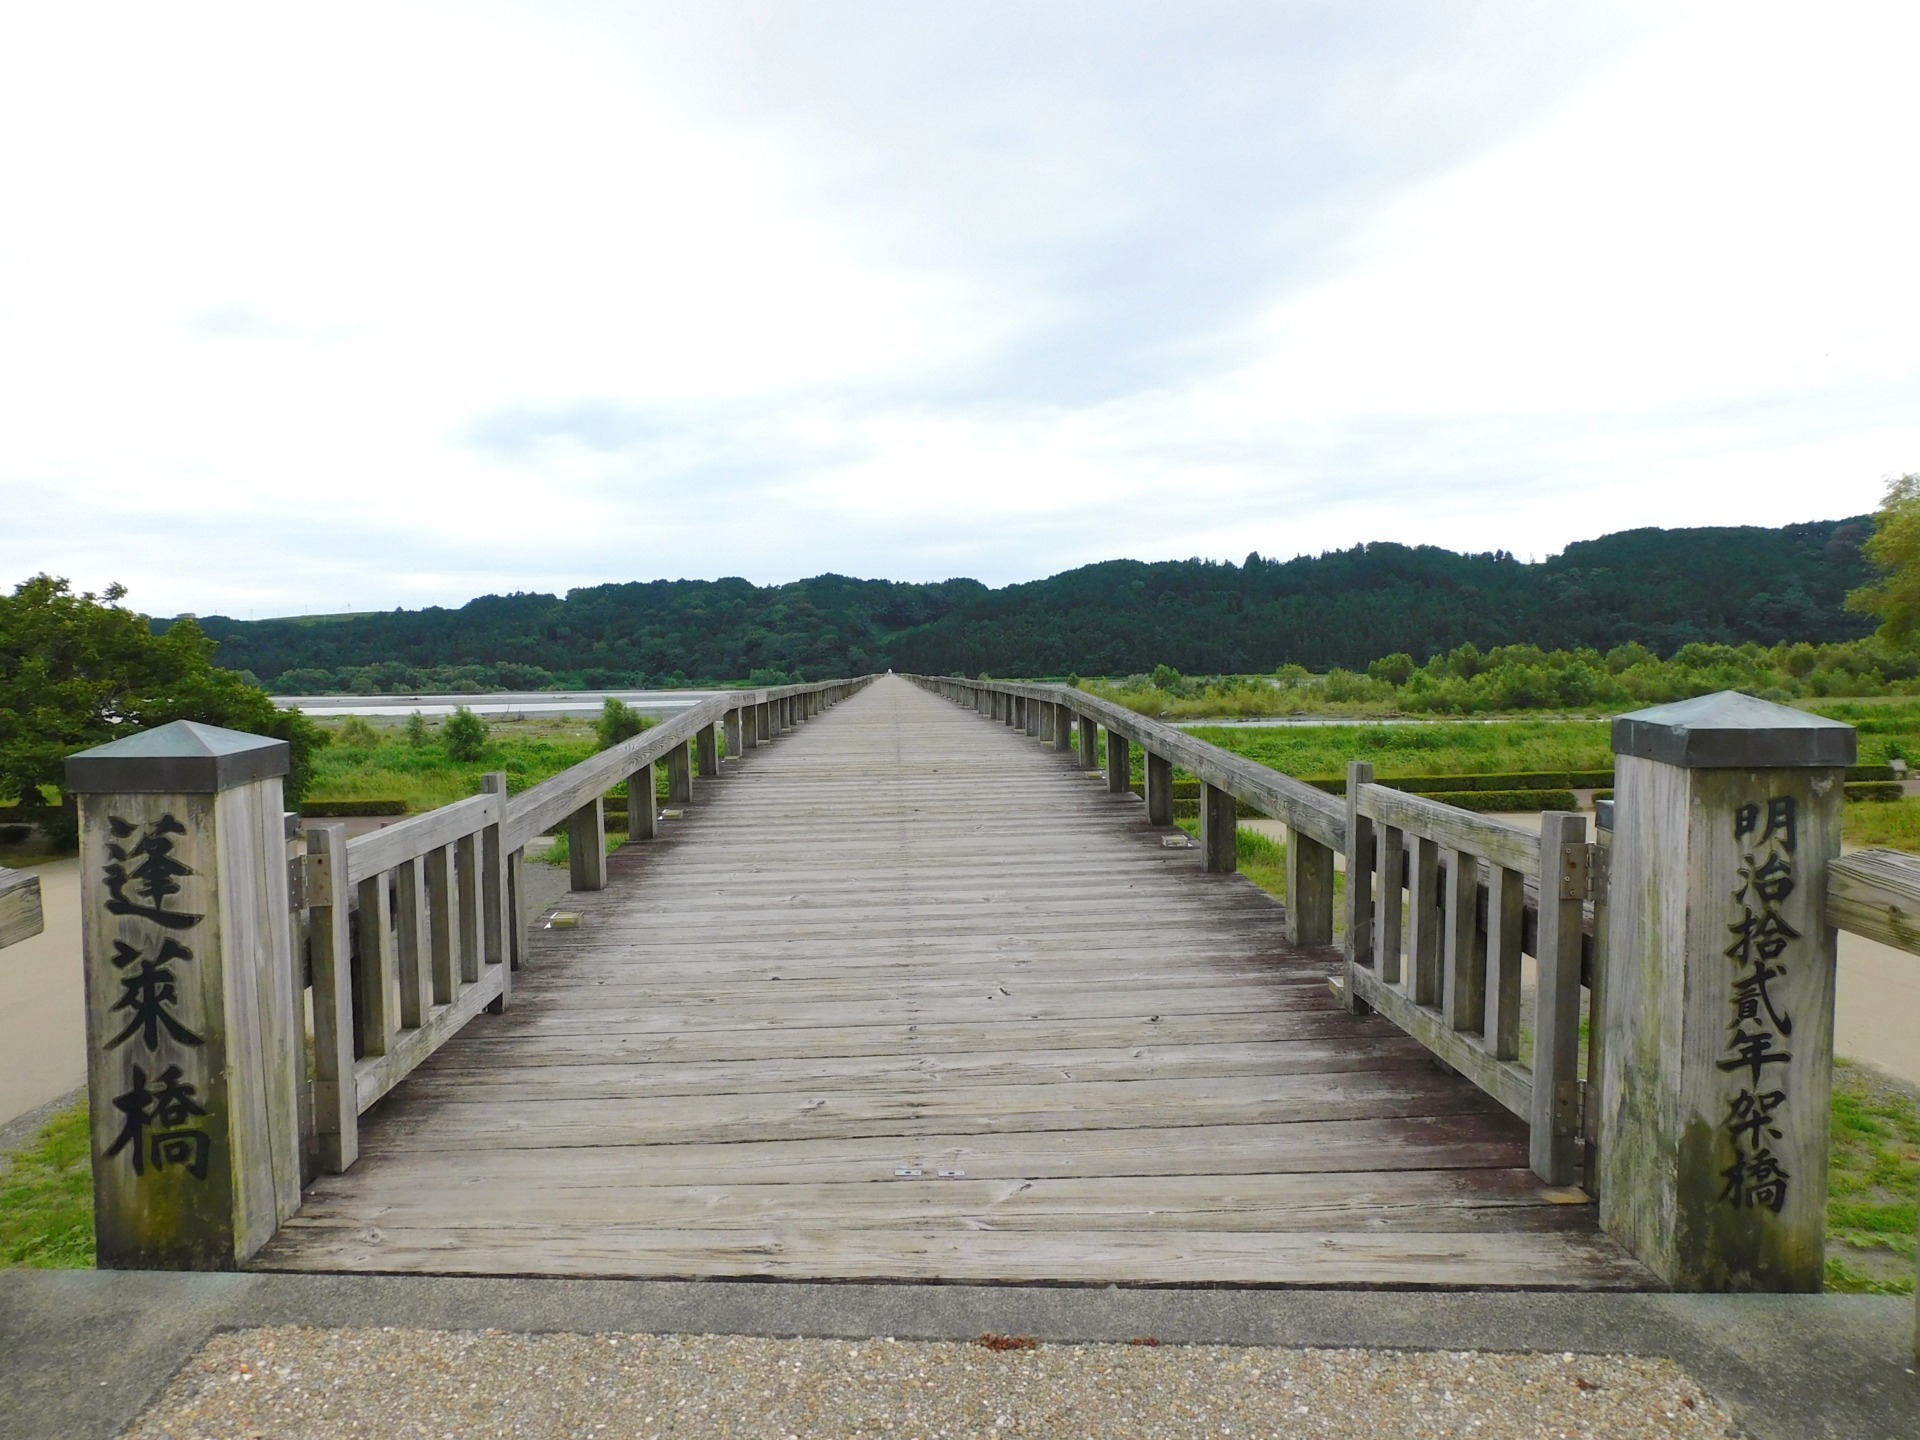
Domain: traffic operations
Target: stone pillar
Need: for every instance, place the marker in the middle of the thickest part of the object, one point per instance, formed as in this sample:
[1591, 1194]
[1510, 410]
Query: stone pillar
[1718, 1066]
[193, 1033]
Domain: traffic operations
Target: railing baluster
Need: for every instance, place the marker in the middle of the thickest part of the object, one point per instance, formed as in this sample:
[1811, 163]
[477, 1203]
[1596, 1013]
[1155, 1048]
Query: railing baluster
[643, 803]
[1119, 765]
[335, 1102]
[1423, 920]
[1219, 830]
[1390, 921]
[373, 968]
[468, 892]
[1464, 973]
[413, 944]
[443, 918]
[1359, 905]
[1556, 1021]
[1506, 916]
[1309, 890]
[587, 845]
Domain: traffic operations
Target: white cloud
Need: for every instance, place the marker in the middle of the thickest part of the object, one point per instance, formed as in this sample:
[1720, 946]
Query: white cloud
[404, 303]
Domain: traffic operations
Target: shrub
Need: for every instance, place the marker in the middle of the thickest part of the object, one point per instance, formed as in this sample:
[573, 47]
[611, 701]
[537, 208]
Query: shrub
[619, 721]
[419, 733]
[356, 734]
[465, 734]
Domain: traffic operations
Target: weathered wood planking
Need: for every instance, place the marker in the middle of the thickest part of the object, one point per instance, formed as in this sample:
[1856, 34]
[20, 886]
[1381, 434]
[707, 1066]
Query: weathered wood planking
[19, 906]
[986, 962]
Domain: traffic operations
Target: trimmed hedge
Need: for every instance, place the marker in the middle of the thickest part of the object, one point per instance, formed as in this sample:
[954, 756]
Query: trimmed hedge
[1485, 800]
[1436, 785]
[348, 809]
[1876, 790]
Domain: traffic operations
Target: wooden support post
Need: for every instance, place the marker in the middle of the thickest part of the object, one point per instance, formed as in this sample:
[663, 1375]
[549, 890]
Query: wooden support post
[193, 1030]
[1045, 724]
[587, 846]
[1463, 965]
[708, 738]
[1716, 1091]
[1030, 715]
[1360, 861]
[736, 743]
[1309, 891]
[1062, 728]
[1159, 789]
[643, 804]
[1119, 765]
[1089, 743]
[335, 1103]
[1219, 830]
[680, 774]
[763, 721]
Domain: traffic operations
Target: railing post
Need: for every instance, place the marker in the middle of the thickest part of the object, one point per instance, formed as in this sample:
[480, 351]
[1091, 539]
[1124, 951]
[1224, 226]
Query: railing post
[1089, 743]
[1219, 829]
[587, 845]
[192, 1026]
[335, 1104]
[735, 744]
[763, 721]
[680, 774]
[1030, 714]
[1062, 728]
[1716, 1084]
[502, 897]
[1309, 890]
[1119, 764]
[1043, 726]
[643, 803]
[1159, 789]
[708, 737]
[1360, 863]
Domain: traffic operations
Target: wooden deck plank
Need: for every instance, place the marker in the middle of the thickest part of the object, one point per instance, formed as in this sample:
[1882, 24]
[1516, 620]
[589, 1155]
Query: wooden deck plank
[904, 938]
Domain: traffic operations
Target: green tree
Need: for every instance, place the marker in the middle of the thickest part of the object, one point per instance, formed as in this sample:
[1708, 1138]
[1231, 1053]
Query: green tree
[1895, 549]
[465, 734]
[419, 733]
[80, 670]
[619, 721]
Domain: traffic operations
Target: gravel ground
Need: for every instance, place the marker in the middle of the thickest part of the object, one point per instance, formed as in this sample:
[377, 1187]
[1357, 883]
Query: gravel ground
[292, 1382]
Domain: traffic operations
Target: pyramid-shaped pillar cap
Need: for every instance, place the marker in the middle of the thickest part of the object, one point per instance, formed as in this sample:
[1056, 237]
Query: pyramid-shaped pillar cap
[1731, 731]
[182, 758]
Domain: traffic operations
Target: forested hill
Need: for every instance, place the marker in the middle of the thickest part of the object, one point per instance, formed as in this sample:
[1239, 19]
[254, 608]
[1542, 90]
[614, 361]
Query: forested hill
[1663, 588]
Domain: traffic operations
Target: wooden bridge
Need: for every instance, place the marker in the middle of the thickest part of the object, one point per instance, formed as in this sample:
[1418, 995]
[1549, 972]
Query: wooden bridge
[913, 985]
[909, 996]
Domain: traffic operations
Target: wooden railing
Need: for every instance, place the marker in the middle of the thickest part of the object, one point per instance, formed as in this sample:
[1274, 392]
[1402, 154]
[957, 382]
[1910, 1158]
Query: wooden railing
[414, 929]
[1444, 963]
[1876, 894]
[19, 906]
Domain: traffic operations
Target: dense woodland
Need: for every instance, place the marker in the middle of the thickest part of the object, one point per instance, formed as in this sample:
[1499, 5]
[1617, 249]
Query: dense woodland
[1660, 589]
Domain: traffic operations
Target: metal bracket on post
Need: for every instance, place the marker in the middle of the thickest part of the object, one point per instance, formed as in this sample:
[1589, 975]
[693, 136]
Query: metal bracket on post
[1569, 1103]
[1576, 871]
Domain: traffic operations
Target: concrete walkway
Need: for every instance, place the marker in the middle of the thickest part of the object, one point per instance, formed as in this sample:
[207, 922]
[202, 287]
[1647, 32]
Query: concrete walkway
[82, 1352]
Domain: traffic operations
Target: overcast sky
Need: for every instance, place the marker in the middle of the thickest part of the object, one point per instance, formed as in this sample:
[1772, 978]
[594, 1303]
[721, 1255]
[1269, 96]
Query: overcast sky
[325, 307]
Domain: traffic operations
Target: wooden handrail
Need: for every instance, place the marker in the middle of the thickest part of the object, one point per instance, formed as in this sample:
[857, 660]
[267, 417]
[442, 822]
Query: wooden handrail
[19, 906]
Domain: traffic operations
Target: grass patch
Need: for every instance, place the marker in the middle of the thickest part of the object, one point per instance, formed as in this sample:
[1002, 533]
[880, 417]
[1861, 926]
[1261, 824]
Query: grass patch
[1884, 825]
[560, 851]
[1873, 1185]
[1457, 748]
[46, 1198]
[376, 762]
